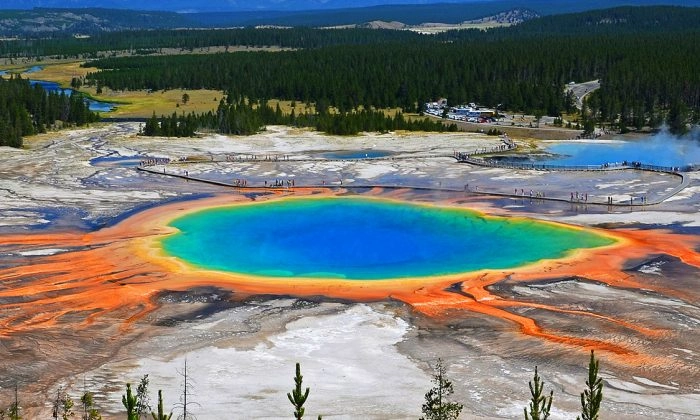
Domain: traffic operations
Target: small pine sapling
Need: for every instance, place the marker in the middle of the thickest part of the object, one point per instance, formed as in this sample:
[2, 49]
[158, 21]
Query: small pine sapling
[143, 405]
[539, 404]
[297, 397]
[89, 410]
[436, 406]
[14, 412]
[161, 412]
[592, 396]
[129, 400]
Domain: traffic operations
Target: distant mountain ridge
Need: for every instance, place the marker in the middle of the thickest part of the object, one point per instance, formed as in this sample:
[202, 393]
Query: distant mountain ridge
[511, 17]
[89, 21]
[194, 6]
[508, 17]
[608, 23]
[94, 20]
[624, 19]
[84, 21]
[415, 14]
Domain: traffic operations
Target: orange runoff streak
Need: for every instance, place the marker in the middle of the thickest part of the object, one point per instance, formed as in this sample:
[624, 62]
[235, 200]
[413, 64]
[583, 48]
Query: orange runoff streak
[118, 271]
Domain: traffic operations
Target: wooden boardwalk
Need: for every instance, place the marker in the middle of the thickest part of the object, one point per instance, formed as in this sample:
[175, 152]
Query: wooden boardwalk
[508, 144]
[685, 180]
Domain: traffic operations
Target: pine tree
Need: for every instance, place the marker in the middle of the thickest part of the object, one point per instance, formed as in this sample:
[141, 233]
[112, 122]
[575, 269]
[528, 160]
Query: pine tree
[152, 127]
[143, 405]
[66, 407]
[89, 410]
[129, 400]
[436, 406]
[593, 395]
[161, 412]
[539, 404]
[57, 404]
[677, 118]
[588, 127]
[297, 397]
[14, 412]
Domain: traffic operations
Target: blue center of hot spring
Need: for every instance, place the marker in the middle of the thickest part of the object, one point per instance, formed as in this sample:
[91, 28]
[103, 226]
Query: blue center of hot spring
[364, 239]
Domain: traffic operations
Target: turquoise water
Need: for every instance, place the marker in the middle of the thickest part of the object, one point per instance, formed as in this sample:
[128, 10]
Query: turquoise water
[363, 239]
[660, 149]
[670, 153]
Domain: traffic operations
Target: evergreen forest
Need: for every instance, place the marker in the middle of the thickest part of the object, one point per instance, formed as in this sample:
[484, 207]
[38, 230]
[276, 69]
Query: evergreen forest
[27, 110]
[644, 57]
[241, 117]
[153, 41]
[642, 76]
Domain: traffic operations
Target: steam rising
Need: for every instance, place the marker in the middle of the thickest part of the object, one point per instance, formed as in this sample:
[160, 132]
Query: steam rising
[664, 143]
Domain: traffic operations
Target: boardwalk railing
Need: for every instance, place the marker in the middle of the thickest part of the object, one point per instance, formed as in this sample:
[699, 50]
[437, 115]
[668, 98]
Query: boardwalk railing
[235, 158]
[508, 144]
[461, 157]
[464, 158]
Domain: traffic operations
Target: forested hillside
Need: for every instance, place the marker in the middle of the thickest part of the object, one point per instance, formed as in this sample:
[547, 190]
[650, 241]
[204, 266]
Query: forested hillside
[443, 12]
[93, 16]
[67, 22]
[152, 41]
[27, 110]
[623, 20]
[641, 74]
[239, 116]
[617, 20]
[383, 76]
[645, 58]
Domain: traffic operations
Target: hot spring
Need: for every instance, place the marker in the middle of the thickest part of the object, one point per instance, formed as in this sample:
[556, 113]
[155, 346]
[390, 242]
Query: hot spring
[660, 149]
[364, 239]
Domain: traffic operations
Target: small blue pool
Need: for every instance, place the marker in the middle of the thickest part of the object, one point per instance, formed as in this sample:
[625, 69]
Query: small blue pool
[671, 153]
[661, 149]
[116, 160]
[357, 154]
